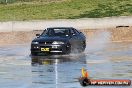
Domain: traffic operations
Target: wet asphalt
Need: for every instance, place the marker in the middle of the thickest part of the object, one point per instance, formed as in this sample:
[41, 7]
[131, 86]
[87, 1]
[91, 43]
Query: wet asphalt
[18, 69]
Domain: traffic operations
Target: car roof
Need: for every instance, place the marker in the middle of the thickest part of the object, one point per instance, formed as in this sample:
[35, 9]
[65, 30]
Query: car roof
[60, 28]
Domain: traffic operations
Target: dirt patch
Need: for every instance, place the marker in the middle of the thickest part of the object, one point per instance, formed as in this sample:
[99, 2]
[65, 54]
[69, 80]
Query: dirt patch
[17, 37]
[121, 34]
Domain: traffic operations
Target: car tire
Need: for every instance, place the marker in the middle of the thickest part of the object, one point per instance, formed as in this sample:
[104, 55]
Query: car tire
[68, 49]
[84, 46]
[34, 53]
[75, 49]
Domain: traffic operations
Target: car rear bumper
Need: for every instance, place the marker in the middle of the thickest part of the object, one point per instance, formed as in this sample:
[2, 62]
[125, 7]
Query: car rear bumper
[50, 49]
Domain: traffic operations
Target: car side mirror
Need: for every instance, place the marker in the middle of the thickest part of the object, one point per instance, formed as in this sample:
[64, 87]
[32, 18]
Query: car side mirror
[37, 35]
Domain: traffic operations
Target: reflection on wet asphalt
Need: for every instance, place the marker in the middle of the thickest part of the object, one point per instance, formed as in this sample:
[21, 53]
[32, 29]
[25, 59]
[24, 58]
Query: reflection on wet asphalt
[20, 70]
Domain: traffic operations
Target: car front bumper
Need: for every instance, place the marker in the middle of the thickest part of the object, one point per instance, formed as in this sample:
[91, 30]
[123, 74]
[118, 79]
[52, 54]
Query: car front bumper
[49, 49]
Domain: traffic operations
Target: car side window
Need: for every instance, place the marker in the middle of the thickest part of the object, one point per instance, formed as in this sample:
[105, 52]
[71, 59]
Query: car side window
[44, 32]
[73, 32]
[76, 31]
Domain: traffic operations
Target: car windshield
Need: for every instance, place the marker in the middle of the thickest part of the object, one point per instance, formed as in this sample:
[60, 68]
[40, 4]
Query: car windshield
[56, 32]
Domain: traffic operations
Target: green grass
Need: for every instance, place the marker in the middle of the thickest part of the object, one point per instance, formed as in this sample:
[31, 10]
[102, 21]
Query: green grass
[64, 9]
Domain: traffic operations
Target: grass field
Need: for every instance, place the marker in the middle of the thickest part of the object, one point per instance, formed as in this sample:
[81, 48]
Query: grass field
[63, 9]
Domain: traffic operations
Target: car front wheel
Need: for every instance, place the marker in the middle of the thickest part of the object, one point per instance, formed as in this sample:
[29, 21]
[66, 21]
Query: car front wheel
[34, 53]
[68, 49]
[83, 46]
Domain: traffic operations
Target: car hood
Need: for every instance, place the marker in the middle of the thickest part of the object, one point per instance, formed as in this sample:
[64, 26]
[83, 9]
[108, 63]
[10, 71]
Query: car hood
[55, 38]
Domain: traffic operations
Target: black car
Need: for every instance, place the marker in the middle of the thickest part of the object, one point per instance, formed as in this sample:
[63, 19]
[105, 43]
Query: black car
[58, 40]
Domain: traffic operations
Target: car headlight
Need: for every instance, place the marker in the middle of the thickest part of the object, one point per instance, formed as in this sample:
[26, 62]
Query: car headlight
[58, 42]
[35, 42]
